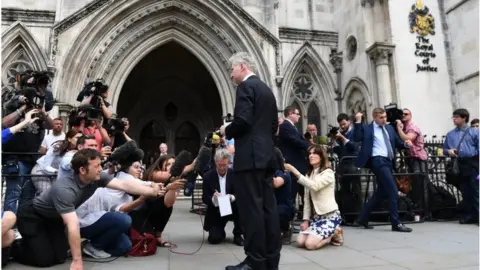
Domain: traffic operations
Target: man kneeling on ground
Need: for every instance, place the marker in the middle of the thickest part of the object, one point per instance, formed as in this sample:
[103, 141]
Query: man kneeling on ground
[219, 182]
[41, 220]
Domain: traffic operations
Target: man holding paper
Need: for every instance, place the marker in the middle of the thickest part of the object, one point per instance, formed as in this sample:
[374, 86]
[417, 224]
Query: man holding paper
[218, 195]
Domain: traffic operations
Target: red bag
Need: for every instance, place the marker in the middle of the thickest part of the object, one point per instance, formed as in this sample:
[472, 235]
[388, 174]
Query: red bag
[142, 245]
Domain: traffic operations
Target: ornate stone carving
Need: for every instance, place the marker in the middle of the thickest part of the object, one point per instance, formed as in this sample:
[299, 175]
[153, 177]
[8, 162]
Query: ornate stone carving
[36, 16]
[303, 86]
[327, 38]
[97, 4]
[336, 59]
[20, 64]
[380, 52]
[356, 103]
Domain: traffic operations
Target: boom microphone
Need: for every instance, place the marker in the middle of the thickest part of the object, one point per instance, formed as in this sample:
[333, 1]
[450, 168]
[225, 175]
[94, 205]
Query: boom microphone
[201, 161]
[183, 159]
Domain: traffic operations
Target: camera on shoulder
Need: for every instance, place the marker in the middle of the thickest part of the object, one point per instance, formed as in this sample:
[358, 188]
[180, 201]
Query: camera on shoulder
[393, 113]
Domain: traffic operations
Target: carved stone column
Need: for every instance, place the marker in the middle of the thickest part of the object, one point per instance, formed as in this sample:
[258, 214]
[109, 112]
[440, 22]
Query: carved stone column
[336, 61]
[368, 20]
[380, 54]
[64, 111]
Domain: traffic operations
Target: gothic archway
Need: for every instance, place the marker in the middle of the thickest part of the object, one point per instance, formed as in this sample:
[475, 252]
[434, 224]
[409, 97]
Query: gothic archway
[122, 33]
[152, 135]
[308, 79]
[356, 97]
[20, 51]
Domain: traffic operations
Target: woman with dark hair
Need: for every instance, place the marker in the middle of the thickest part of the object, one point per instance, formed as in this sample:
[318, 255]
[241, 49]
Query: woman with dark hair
[160, 209]
[47, 166]
[321, 217]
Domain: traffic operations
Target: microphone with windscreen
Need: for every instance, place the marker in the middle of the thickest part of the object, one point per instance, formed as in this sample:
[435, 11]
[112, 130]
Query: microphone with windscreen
[183, 159]
[201, 162]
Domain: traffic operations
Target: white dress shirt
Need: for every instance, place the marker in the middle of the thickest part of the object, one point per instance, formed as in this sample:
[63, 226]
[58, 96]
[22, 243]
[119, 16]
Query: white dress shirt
[248, 76]
[223, 189]
[379, 144]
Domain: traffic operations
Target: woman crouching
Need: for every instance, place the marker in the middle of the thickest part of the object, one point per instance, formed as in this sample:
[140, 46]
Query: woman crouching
[321, 216]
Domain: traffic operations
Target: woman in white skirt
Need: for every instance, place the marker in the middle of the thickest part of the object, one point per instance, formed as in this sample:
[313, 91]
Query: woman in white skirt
[321, 217]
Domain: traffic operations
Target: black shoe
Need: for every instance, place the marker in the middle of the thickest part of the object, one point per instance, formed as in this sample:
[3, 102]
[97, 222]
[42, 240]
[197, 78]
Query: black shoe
[241, 266]
[238, 240]
[401, 228]
[287, 236]
[365, 225]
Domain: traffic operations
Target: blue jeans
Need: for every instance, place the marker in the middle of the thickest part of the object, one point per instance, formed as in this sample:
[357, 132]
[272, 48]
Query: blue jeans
[19, 189]
[109, 233]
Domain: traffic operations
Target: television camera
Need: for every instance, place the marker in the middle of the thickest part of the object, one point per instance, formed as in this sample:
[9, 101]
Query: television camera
[333, 131]
[96, 90]
[393, 113]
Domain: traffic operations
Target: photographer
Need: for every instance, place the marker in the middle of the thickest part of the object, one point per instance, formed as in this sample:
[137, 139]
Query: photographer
[98, 92]
[119, 136]
[417, 156]
[347, 150]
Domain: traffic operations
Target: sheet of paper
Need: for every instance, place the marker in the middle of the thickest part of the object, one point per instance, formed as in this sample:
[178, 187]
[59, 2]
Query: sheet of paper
[224, 205]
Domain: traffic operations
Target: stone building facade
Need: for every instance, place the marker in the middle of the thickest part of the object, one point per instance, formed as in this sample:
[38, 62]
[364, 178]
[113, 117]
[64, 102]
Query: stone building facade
[167, 61]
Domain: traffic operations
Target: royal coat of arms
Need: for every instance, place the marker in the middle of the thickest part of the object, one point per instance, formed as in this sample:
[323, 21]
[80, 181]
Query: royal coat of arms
[420, 19]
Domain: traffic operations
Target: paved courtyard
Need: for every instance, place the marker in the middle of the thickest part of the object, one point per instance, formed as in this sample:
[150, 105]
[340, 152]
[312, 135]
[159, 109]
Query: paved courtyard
[437, 245]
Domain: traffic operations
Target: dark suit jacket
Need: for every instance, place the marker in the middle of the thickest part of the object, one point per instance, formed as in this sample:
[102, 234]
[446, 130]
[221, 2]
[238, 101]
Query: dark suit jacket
[351, 148]
[364, 133]
[210, 184]
[293, 146]
[254, 126]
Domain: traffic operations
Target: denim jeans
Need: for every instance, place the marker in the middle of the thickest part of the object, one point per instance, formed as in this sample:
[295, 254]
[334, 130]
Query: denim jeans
[19, 189]
[109, 233]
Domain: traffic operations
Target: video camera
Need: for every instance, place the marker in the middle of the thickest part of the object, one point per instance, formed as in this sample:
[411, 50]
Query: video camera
[333, 131]
[393, 113]
[114, 126]
[96, 89]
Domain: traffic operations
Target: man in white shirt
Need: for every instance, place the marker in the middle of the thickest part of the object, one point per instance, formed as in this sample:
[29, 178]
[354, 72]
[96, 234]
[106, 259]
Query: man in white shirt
[53, 135]
[219, 182]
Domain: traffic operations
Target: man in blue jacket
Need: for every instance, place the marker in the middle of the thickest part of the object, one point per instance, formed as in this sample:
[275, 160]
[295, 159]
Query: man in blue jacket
[379, 141]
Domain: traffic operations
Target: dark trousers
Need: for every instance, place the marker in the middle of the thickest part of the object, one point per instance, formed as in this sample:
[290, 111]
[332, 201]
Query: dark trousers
[44, 242]
[350, 186]
[296, 189]
[258, 214]
[109, 233]
[153, 217]
[419, 192]
[386, 189]
[216, 233]
[286, 214]
[19, 189]
[469, 186]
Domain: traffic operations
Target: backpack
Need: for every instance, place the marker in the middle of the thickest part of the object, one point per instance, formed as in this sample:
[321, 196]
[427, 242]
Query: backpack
[142, 244]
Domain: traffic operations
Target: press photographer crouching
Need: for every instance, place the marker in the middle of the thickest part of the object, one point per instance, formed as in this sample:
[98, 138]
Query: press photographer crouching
[347, 151]
[31, 93]
[42, 221]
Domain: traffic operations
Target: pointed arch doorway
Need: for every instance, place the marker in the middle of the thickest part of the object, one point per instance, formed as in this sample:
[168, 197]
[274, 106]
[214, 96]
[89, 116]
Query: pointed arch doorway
[170, 97]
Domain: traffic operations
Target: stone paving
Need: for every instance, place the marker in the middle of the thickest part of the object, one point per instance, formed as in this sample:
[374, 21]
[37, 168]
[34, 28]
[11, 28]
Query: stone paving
[433, 245]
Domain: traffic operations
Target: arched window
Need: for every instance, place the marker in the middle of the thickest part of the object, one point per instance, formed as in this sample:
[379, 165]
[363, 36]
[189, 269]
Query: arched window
[356, 103]
[187, 138]
[313, 116]
[152, 135]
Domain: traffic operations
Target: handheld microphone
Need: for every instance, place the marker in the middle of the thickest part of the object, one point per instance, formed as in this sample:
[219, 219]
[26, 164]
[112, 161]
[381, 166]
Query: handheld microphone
[201, 161]
[183, 159]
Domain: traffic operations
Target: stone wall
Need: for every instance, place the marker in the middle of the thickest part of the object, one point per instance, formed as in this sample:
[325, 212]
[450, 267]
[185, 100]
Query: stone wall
[307, 14]
[426, 93]
[462, 22]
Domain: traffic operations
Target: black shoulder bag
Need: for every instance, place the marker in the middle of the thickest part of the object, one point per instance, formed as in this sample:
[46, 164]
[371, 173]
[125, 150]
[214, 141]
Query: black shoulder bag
[452, 170]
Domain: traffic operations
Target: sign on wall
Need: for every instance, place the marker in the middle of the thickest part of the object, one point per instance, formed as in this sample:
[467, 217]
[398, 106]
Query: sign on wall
[422, 23]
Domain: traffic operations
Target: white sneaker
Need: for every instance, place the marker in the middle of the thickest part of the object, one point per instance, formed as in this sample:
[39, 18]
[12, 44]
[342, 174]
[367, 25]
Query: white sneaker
[94, 252]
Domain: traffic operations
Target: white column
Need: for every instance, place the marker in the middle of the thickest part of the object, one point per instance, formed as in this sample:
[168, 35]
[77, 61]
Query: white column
[384, 88]
[379, 21]
[368, 21]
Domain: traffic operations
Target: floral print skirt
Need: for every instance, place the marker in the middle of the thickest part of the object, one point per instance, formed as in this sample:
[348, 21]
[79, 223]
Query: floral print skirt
[325, 225]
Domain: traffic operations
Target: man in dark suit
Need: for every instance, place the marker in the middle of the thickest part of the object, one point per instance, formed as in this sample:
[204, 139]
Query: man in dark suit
[379, 141]
[219, 182]
[253, 128]
[347, 151]
[293, 147]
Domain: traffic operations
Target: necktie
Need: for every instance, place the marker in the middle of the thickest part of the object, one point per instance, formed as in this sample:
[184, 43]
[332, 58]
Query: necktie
[387, 142]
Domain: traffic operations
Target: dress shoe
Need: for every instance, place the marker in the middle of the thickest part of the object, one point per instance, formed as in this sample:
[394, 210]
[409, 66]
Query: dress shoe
[362, 224]
[238, 240]
[241, 266]
[287, 236]
[401, 228]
